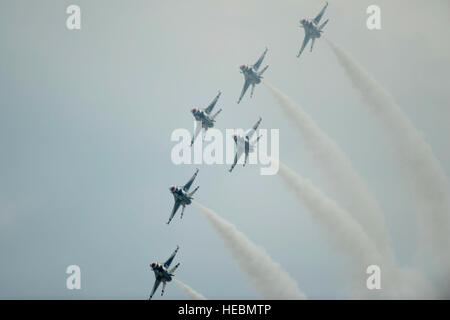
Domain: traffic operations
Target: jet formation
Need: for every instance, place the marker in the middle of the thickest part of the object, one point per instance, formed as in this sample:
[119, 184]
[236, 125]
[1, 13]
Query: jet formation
[203, 118]
[163, 273]
[252, 76]
[244, 144]
[182, 196]
[312, 29]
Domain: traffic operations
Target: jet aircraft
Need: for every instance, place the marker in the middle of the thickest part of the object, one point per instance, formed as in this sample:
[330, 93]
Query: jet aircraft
[252, 76]
[182, 196]
[163, 273]
[203, 118]
[244, 145]
[312, 29]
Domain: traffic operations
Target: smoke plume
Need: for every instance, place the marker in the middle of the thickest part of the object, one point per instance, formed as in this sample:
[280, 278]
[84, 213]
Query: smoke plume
[429, 184]
[348, 236]
[345, 232]
[349, 188]
[263, 273]
[191, 293]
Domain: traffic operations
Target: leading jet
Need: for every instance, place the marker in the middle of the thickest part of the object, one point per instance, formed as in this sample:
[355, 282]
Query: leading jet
[251, 75]
[203, 118]
[312, 29]
[163, 273]
[181, 196]
[244, 145]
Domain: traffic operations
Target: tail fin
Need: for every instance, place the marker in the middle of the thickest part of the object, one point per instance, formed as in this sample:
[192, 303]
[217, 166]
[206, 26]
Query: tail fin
[215, 115]
[192, 193]
[171, 271]
[323, 24]
[262, 71]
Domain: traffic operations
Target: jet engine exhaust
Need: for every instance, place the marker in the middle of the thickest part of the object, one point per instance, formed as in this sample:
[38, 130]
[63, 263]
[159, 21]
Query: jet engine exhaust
[428, 181]
[349, 188]
[265, 275]
[191, 293]
[348, 236]
[344, 232]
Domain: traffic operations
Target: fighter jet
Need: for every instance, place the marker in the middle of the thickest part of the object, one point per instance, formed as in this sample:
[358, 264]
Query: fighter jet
[203, 118]
[312, 29]
[244, 145]
[162, 273]
[251, 75]
[181, 196]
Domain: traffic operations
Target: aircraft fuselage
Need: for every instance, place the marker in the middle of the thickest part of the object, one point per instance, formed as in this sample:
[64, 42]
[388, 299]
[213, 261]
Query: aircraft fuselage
[244, 143]
[311, 28]
[181, 195]
[162, 273]
[207, 121]
[251, 76]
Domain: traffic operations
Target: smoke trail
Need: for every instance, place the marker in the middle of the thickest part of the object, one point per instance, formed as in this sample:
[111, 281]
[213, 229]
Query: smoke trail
[349, 188]
[429, 183]
[344, 231]
[262, 272]
[350, 239]
[191, 293]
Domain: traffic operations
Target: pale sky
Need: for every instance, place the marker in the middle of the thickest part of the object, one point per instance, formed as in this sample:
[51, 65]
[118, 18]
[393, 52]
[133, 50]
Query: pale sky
[86, 118]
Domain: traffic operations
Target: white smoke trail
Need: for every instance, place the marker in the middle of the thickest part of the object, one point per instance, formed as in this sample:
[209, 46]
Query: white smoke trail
[345, 232]
[350, 239]
[191, 293]
[262, 272]
[350, 189]
[427, 179]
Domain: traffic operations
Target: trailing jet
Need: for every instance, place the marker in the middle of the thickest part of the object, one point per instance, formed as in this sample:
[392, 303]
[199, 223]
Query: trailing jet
[162, 273]
[312, 29]
[244, 145]
[181, 196]
[203, 118]
[251, 75]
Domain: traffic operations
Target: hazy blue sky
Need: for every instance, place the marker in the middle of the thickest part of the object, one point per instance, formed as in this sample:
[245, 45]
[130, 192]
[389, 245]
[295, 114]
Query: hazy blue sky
[86, 118]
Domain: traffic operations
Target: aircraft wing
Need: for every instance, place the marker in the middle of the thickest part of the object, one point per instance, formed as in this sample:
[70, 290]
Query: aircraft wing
[155, 286]
[260, 60]
[319, 16]
[213, 103]
[252, 131]
[305, 42]
[197, 129]
[169, 261]
[244, 89]
[176, 205]
[189, 183]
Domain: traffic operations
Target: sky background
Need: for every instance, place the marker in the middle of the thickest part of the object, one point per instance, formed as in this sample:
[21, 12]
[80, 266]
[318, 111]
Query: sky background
[86, 118]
